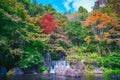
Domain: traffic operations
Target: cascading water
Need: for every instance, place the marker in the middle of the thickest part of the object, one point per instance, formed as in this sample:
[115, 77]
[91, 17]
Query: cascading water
[59, 67]
[56, 64]
[59, 63]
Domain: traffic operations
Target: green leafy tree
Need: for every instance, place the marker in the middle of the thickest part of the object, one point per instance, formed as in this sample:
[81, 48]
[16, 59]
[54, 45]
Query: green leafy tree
[20, 40]
[82, 13]
[75, 32]
[82, 10]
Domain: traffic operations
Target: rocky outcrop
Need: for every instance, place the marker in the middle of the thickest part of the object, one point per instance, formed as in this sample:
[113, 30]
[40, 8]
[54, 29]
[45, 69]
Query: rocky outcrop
[98, 71]
[63, 71]
[47, 60]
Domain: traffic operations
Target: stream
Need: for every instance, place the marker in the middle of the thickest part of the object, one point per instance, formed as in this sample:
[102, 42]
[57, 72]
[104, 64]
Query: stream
[51, 77]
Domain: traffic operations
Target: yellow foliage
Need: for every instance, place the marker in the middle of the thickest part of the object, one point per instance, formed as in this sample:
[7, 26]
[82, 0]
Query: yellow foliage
[87, 39]
[10, 72]
[97, 37]
[85, 24]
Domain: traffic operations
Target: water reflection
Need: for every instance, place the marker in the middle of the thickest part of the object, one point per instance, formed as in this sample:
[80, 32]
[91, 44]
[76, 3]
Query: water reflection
[49, 77]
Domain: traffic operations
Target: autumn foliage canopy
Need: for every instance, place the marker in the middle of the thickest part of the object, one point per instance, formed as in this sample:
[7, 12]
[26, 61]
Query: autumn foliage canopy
[100, 20]
[47, 23]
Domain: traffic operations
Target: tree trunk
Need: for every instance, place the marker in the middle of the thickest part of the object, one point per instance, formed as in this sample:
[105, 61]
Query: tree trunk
[108, 50]
[99, 49]
[78, 42]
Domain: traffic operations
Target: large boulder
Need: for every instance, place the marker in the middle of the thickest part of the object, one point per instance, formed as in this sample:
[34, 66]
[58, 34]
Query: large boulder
[98, 71]
[18, 71]
[45, 72]
[15, 71]
[63, 71]
[78, 66]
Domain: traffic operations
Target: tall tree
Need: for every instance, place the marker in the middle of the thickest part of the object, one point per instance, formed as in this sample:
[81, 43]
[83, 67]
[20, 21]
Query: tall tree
[100, 24]
[82, 10]
[75, 32]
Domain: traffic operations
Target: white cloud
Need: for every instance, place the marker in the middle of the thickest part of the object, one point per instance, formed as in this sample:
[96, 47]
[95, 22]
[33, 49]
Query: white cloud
[67, 4]
[84, 3]
[77, 3]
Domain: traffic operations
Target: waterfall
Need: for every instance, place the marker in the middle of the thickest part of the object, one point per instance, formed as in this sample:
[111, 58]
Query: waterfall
[59, 63]
[55, 64]
[61, 66]
[52, 70]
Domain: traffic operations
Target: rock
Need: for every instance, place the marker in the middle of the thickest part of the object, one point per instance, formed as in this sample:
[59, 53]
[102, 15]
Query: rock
[98, 71]
[10, 72]
[114, 76]
[63, 71]
[18, 71]
[78, 66]
[60, 70]
[45, 72]
[15, 71]
[72, 72]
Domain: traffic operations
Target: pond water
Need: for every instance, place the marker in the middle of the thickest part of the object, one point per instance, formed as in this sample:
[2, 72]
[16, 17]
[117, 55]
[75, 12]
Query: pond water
[52, 77]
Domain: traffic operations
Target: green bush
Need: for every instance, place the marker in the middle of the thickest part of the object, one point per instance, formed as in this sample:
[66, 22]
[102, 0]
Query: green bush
[30, 57]
[111, 61]
[108, 71]
[43, 68]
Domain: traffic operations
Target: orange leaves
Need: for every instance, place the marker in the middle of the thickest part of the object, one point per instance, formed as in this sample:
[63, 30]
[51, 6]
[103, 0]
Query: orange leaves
[112, 15]
[115, 23]
[100, 23]
[100, 19]
[106, 34]
[105, 18]
[94, 17]
[100, 26]
[91, 20]
[87, 39]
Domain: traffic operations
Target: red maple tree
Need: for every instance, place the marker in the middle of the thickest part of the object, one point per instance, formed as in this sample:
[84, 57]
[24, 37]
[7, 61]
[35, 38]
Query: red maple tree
[47, 23]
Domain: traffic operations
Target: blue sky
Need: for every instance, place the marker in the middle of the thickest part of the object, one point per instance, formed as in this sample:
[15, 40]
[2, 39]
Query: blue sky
[68, 5]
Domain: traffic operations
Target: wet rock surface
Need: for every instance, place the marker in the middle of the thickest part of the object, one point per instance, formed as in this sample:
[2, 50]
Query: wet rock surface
[63, 71]
[63, 68]
[98, 71]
